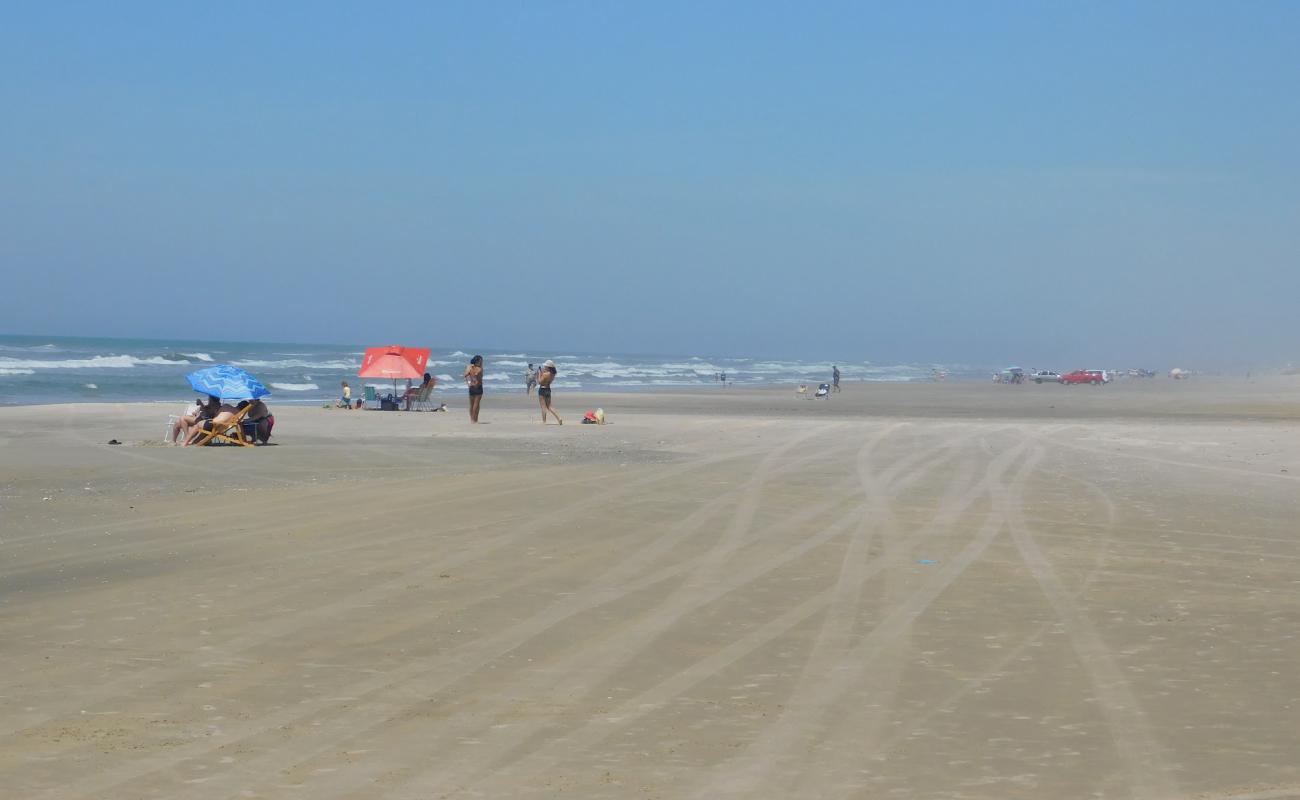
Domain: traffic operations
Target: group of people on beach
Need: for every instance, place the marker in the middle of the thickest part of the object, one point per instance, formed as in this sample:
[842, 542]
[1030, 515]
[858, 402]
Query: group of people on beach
[539, 377]
[214, 413]
[408, 397]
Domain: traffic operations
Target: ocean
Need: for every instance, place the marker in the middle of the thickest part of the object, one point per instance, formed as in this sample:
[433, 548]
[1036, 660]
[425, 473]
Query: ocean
[42, 369]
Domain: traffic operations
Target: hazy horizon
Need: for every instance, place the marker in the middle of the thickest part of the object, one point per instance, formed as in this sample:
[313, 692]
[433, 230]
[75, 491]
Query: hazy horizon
[936, 183]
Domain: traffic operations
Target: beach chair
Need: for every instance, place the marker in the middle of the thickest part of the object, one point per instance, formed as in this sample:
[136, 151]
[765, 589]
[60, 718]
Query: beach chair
[823, 391]
[421, 401]
[229, 431]
[802, 391]
[371, 397]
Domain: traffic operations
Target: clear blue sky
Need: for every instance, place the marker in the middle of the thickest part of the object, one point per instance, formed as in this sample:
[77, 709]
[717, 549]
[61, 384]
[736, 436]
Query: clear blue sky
[950, 182]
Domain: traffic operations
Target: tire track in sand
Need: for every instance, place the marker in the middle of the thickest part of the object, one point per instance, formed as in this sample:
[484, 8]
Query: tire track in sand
[463, 660]
[505, 777]
[876, 660]
[577, 668]
[1149, 775]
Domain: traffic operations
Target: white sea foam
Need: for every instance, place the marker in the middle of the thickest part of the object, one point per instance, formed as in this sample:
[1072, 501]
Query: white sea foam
[94, 362]
[460, 354]
[295, 387]
[293, 363]
[198, 356]
[8, 371]
[510, 355]
[90, 386]
[445, 377]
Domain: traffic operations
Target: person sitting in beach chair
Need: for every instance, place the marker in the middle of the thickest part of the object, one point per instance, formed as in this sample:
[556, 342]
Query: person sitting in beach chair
[224, 427]
[823, 391]
[183, 426]
[256, 425]
[802, 391]
[419, 396]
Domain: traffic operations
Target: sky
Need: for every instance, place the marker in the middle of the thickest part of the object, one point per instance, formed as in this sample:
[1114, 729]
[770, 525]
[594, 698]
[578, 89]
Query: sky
[1055, 183]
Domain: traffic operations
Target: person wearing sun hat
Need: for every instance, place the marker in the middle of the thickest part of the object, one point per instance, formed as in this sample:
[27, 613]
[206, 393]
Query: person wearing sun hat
[544, 379]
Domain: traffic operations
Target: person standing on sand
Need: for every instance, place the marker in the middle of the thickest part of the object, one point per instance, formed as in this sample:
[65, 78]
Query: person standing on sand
[474, 380]
[835, 377]
[544, 379]
[530, 379]
[346, 400]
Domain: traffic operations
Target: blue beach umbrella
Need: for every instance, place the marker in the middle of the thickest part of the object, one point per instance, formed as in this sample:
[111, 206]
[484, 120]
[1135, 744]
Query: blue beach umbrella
[227, 383]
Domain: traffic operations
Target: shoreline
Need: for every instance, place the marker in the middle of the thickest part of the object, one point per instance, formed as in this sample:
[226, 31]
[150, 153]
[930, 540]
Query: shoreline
[1264, 399]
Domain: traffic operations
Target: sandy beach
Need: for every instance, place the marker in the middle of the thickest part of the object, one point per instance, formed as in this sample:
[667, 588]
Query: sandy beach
[953, 590]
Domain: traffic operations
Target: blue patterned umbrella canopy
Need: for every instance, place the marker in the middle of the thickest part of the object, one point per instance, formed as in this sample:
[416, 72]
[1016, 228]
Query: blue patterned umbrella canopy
[228, 383]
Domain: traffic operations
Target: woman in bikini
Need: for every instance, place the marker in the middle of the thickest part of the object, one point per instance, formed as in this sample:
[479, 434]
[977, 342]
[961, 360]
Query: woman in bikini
[225, 413]
[182, 428]
[474, 380]
[544, 380]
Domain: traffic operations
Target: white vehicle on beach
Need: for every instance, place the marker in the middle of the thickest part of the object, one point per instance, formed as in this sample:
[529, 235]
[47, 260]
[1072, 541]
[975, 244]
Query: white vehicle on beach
[1046, 375]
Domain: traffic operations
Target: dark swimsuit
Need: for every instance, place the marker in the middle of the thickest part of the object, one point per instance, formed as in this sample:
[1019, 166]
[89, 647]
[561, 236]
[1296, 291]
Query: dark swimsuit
[544, 391]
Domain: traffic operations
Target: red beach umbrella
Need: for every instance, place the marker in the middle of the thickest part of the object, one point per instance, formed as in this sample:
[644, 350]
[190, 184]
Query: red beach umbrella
[394, 361]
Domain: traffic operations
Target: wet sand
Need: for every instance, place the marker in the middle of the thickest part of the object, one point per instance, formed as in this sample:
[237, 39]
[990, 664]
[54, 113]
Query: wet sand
[944, 591]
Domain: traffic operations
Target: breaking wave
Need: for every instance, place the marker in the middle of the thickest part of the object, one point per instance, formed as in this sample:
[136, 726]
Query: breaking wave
[294, 363]
[94, 362]
[295, 387]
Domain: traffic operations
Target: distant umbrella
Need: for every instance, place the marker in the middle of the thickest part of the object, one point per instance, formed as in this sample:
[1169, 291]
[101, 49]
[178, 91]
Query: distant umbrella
[394, 361]
[228, 383]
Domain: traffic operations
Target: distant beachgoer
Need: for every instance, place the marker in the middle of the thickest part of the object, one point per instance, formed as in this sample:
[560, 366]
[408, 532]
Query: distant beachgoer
[474, 380]
[544, 379]
[722, 376]
[182, 427]
[530, 379]
[835, 378]
[346, 400]
[413, 392]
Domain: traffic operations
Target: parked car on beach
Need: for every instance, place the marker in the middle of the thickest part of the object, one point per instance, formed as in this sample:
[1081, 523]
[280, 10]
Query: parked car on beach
[1046, 375]
[1094, 377]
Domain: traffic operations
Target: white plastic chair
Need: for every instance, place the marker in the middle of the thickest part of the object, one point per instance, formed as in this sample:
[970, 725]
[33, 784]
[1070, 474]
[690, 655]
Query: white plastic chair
[172, 419]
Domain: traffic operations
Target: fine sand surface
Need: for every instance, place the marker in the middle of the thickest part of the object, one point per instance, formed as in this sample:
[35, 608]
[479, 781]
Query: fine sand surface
[917, 591]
